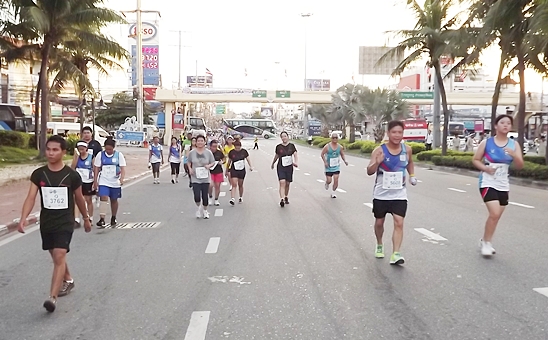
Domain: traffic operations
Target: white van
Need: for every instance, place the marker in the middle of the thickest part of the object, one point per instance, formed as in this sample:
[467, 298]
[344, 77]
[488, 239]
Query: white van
[74, 128]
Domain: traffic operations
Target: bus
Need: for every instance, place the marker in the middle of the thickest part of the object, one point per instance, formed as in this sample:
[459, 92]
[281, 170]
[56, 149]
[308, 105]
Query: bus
[263, 124]
[13, 118]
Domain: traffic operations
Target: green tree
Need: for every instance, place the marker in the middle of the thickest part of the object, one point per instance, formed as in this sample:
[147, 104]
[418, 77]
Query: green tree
[436, 34]
[121, 107]
[346, 104]
[382, 106]
[51, 24]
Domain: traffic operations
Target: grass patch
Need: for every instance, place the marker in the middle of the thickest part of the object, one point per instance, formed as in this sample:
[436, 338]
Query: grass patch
[10, 156]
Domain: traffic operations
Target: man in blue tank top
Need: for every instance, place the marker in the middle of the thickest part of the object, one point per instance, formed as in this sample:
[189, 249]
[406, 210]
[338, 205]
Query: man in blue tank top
[331, 155]
[493, 159]
[391, 162]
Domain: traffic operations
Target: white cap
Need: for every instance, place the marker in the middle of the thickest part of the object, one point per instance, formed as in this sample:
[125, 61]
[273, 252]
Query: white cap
[334, 134]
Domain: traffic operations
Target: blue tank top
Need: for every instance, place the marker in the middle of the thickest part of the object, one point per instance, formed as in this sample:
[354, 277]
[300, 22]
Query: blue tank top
[156, 150]
[114, 160]
[86, 165]
[391, 164]
[495, 154]
[175, 151]
[333, 159]
[496, 157]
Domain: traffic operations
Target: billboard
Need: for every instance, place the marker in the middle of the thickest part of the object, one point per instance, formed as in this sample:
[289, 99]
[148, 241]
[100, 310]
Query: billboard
[199, 80]
[318, 84]
[370, 55]
[267, 111]
[151, 53]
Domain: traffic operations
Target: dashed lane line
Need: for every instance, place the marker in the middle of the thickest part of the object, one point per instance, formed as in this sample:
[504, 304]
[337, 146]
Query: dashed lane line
[543, 291]
[306, 174]
[341, 190]
[521, 205]
[456, 190]
[218, 212]
[222, 194]
[197, 327]
[370, 205]
[213, 245]
[320, 180]
[430, 235]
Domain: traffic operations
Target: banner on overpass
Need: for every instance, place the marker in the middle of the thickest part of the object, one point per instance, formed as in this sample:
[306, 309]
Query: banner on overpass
[318, 84]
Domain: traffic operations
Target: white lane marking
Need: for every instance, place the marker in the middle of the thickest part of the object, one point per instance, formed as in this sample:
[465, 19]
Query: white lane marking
[543, 291]
[419, 181]
[370, 205]
[197, 327]
[341, 190]
[218, 212]
[222, 194]
[320, 180]
[224, 183]
[430, 234]
[297, 169]
[457, 190]
[351, 165]
[19, 235]
[213, 245]
[306, 174]
[521, 205]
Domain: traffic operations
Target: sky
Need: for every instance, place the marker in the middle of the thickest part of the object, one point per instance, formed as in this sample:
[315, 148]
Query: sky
[267, 38]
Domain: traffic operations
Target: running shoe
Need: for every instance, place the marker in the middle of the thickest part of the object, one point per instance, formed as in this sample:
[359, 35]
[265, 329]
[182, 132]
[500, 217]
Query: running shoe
[232, 201]
[172, 181]
[486, 248]
[282, 203]
[101, 223]
[199, 213]
[217, 203]
[326, 186]
[286, 200]
[206, 215]
[396, 258]
[49, 304]
[379, 253]
[113, 221]
[241, 200]
[66, 288]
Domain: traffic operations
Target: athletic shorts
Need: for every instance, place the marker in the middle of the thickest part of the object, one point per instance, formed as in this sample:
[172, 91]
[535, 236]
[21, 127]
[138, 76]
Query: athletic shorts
[332, 173]
[393, 207]
[113, 193]
[59, 239]
[218, 178]
[490, 194]
[86, 189]
[240, 174]
[285, 174]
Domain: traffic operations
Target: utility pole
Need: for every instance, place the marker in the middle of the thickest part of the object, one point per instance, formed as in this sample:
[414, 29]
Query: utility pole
[437, 125]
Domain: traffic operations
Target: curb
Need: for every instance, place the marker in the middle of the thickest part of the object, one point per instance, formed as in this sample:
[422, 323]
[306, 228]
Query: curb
[26, 177]
[34, 218]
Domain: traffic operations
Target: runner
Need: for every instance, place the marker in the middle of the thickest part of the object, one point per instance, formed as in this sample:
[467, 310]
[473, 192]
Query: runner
[110, 171]
[256, 143]
[330, 156]
[156, 156]
[389, 162]
[236, 170]
[286, 155]
[217, 171]
[87, 136]
[229, 146]
[200, 160]
[60, 189]
[83, 164]
[175, 156]
[189, 148]
[493, 158]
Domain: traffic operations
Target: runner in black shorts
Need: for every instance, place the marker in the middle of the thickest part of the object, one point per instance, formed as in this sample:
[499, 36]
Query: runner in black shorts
[60, 188]
[83, 164]
[236, 168]
[286, 155]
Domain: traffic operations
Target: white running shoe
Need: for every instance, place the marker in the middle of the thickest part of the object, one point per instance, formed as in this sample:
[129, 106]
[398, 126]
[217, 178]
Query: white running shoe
[232, 201]
[217, 203]
[486, 248]
[241, 200]
[198, 213]
[206, 214]
[326, 186]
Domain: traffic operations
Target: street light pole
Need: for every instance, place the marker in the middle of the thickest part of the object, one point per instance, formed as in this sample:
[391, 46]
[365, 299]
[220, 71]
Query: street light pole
[140, 116]
[305, 15]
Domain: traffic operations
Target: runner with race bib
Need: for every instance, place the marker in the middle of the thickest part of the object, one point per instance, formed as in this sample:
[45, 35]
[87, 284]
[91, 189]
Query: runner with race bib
[83, 165]
[390, 162]
[287, 158]
[332, 153]
[235, 170]
[493, 158]
[200, 160]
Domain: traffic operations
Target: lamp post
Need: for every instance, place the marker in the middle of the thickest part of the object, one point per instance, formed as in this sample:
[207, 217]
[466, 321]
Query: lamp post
[305, 15]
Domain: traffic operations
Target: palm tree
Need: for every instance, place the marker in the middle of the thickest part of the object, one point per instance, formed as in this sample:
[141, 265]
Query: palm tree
[345, 103]
[382, 106]
[436, 34]
[54, 23]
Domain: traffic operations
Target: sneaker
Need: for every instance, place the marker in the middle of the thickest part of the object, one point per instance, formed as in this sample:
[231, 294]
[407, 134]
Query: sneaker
[176, 180]
[232, 201]
[326, 186]
[206, 215]
[198, 213]
[217, 203]
[101, 223]
[396, 258]
[486, 248]
[240, 200]
[333, 195]
[49, 304]
[282, 203]
[66, 288]
[172, 181]
[286, 200]
[113, 221]
[379, 253]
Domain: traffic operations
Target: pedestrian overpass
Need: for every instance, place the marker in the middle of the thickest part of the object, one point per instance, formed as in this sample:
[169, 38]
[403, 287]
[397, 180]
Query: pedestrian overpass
[170, 99]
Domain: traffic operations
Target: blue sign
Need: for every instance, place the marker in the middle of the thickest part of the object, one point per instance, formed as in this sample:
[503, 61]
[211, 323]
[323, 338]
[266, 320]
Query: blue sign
[150, 65]
[314, 130]
[130, 136]
[469, 124]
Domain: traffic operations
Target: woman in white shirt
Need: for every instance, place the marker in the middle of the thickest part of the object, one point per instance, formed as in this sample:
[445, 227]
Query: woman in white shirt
[175, 157]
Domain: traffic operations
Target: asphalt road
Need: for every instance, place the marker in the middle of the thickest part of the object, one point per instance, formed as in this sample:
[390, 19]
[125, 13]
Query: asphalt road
[303, 272]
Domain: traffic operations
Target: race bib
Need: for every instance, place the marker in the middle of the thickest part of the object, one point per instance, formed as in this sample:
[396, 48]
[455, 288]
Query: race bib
[202, 173]
[501, 172]
[109, 171]
[287, 160]
[403, 158]
[55, 198]
[239, 165]
[214, 165]
[84, 173]
[392, 180]
[334, 162]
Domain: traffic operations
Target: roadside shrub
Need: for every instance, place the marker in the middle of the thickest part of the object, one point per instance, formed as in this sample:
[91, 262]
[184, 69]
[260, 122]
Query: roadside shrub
[427, 155]
[323, 143]
[530, 170]
[368, 146]
[15, 139]
[71, 144]
[535, 159]
[355, 146]
[318, 140]
[32, 142]
[417, 148]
